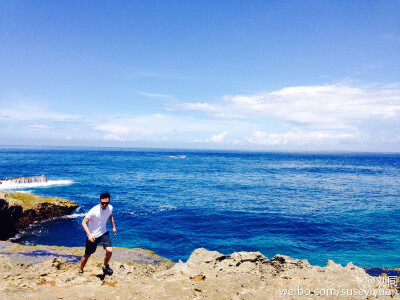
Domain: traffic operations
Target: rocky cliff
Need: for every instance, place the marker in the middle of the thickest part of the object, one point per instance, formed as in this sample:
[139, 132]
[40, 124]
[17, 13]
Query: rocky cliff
[19, 210]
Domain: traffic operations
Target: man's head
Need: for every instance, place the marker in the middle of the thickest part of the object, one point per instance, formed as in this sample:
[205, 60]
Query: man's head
[104, 200]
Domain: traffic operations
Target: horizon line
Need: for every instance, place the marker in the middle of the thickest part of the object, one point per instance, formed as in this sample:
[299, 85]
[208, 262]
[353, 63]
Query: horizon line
[129, 148]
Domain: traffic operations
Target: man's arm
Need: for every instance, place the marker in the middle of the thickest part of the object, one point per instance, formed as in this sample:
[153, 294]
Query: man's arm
[113, 225]
[86, 228]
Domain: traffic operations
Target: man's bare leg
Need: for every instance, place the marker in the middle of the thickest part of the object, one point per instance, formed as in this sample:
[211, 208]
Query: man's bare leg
[108, 256]
[84, 260]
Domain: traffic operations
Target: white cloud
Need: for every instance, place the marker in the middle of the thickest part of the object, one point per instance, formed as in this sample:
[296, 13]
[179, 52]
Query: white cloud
[262, 138]
[139, 125]
[298, 137]
[32, 112]
[115, 137]
[39, 126]
[314, 114]
[322, 115]
[113, 128]
[217, 138]
[163, 126]
[236, 142]
[203, 107]
[321, 105]
[155, 95]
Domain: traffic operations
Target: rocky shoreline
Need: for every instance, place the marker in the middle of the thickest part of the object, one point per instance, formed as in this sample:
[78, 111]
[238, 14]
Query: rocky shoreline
[19, 210]
[46, 272]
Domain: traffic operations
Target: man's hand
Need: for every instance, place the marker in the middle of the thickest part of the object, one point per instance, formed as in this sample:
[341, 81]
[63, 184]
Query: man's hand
[91, 238]
[112, 224]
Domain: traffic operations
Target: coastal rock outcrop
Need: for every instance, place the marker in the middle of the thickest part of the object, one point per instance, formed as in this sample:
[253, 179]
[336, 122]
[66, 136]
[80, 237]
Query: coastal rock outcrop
[206, 275]
[251, 275]
[19, 210]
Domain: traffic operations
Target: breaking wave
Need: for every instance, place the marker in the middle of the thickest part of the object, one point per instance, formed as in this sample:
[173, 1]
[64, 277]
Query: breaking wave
[73, 216]
[12, 185]
[177, 156]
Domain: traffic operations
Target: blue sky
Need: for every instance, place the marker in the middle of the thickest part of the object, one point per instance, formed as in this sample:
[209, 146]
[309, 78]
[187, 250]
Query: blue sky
[251, 75]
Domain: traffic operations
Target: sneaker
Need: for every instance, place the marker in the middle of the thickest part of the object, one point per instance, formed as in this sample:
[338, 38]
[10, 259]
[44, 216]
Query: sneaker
[81, 272]
[107, 270]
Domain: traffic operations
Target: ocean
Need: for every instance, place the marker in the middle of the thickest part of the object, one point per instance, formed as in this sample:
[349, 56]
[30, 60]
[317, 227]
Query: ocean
[314, 206]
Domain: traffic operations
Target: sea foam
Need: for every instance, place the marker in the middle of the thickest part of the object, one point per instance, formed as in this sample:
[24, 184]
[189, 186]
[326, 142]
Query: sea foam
[12, 185]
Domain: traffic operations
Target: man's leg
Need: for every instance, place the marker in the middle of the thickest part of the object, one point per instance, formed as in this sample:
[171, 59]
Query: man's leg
[84, 260]
[108, 256]
[105, 241]
[89, 250]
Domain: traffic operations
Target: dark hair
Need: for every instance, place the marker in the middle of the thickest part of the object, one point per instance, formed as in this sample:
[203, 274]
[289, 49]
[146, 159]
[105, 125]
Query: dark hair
[105, 195]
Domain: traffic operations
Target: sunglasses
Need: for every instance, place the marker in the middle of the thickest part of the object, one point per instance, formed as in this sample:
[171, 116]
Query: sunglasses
[104, 203]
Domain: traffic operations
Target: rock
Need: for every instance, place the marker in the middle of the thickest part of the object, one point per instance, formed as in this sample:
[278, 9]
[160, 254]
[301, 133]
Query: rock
[19, 210]
[250, 275]
[212, 275]
[198, 278]
[10, 214]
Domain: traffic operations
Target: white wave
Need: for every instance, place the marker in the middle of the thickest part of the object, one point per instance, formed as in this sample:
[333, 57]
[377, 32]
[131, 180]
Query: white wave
[177, 156]
[144, 212]
[16, 237]
[74, 216]
[12, 186]
[166, 208]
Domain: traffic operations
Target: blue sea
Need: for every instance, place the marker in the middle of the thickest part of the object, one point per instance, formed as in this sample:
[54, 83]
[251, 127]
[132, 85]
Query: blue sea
[315, 206]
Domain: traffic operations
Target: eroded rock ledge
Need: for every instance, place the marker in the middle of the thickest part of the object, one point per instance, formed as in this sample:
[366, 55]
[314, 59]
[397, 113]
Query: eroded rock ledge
[19, 210]
[206, 275]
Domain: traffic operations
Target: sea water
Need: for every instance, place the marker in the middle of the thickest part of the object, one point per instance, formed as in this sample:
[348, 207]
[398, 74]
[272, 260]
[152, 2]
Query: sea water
[315, 206]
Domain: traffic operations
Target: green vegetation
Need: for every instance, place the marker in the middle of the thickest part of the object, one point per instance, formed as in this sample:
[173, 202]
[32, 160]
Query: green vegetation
[30, 201]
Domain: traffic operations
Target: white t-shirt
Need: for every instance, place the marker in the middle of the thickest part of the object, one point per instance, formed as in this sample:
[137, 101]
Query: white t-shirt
[97, 219]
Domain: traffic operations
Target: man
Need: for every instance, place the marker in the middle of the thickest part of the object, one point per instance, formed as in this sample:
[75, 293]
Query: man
[97, 231]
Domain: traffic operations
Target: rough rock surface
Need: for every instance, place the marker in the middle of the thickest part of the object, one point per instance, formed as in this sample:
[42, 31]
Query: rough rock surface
[206, 275]
[19, 210]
